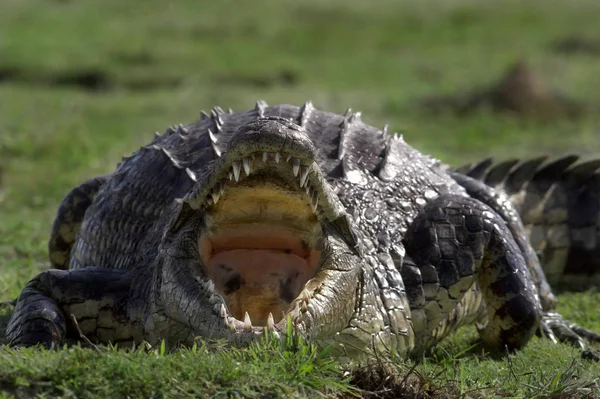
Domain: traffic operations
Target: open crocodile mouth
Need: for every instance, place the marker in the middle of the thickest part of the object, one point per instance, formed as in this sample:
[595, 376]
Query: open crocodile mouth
[263, 238]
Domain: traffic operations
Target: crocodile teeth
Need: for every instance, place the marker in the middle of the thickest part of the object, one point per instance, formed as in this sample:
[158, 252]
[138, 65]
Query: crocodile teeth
[209, 286]
[246, 162]
[277, 157]
[237, 168]
[230, 321]
[223, 311]
[308, 188]
[315, 201]
[303, 175]
[215, 194]
[247, 323]
[265, 157]
[270, 322]
[288, 158]
[296, 166]
[230, 175]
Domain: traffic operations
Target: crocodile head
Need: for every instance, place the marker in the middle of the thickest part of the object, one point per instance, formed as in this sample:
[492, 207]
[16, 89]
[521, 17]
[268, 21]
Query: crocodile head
[261, 239]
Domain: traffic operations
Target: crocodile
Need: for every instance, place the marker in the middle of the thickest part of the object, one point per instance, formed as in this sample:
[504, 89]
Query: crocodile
[283, 217]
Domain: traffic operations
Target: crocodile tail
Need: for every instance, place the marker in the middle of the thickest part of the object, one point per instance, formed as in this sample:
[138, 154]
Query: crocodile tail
[68, 220]
[559, 203]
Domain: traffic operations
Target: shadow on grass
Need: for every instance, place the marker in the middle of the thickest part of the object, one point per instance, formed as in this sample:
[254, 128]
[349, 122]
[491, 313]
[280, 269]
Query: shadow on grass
[91, 80]
[6, 310]
[577, 45]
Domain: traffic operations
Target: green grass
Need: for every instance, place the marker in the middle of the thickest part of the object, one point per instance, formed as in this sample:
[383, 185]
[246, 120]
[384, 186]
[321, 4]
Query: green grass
[83, 83]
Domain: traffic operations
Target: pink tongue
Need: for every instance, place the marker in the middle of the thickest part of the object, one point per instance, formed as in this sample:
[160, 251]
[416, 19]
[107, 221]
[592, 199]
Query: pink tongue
[258, 281]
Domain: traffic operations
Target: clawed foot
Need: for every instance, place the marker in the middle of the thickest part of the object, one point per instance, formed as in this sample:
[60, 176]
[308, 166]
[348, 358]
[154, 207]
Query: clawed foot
[557, 328]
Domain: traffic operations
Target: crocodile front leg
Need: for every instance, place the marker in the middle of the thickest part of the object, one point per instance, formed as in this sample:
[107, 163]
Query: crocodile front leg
[553, 324]
[463, 265]
[61, 304]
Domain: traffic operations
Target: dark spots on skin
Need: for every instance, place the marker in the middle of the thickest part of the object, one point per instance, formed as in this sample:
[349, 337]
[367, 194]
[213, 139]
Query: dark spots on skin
[285, 290]
[233, 284]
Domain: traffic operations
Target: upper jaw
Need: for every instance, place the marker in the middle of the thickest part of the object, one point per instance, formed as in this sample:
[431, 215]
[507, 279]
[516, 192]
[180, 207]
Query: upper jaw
[268, 142]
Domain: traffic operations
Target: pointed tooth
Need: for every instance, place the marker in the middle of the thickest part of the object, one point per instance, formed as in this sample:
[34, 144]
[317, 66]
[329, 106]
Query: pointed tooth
[223, 311]
[210, 286]
[247, 323]
[315, 202]
[222, 187]
[303, 175]
[215, 194]
[296, 166]
[230, 321]
[265, 157]
[288, 158]
[308, 188]
[277, 155]
[270, 322]
[209, 201]
[246, 162]
[237, 168]
[230, 175]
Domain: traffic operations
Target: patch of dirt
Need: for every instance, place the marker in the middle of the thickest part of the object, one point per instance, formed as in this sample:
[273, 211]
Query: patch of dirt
[390, 380]
[520, 92]
[573, 45]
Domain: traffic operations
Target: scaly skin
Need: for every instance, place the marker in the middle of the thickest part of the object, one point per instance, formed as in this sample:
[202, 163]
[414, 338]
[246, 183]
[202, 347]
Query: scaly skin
[559, 203]
[391, 253]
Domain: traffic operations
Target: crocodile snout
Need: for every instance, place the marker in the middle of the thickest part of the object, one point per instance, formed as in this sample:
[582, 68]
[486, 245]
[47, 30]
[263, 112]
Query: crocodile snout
[272, 135]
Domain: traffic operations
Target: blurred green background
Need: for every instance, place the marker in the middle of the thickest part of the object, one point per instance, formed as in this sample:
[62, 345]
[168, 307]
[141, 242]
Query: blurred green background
[83, 83]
